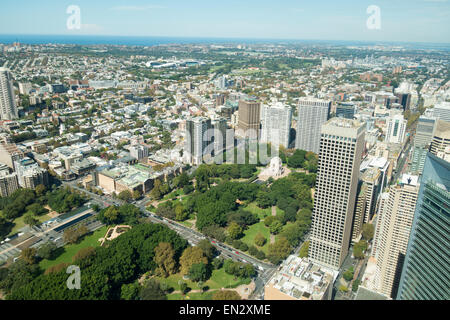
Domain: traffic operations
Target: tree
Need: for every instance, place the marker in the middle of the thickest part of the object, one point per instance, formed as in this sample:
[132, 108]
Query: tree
[152, 291]
[183, 287]
[182, 180]
[269, 220]
[47, 250]
[234, 230]
[199, 272]
[343, 288]
[226, 295]
[348, 274]
[125, 195]
[368, 231]
[181, 213]
[40, 190]
[191, 256]
[304, 250]
[156, 193]
[276, 227]
[137, 194]
[36, 209]
[260, 240]
[30, 220]
[111, 215]
[208, 249]
[164, 257]
[29, 255]
[297, 159]
[130, 291]
[359, 248]
[72, 235]
[355, 285]
[278, 250]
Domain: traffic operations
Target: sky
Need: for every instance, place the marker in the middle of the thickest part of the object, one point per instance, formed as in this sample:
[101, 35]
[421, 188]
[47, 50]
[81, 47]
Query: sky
[400, 20]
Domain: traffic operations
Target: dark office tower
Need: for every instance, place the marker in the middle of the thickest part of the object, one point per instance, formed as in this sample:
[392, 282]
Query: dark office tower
[312, 114]
[345, 110]
[249, 118]
[220, 100]
[426, 269]
[341, 147]
[404, 99]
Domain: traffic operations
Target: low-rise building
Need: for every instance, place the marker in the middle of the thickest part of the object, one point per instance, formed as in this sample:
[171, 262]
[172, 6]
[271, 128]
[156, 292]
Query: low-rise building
[300, 279]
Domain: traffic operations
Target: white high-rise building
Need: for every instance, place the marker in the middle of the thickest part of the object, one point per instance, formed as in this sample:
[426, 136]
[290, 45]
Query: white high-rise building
[341, 147]
[391, 238]
[8, 108]
[25, 87]
[312, 114]
[396, 128]
[139, 151]
[276, 124]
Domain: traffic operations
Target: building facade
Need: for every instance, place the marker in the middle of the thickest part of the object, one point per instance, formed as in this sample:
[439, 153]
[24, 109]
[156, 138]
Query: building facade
[312, 114]
[249, 118]
[425, 274]
[8, 108]
[341, 147]
[276, 124]
[392, 234]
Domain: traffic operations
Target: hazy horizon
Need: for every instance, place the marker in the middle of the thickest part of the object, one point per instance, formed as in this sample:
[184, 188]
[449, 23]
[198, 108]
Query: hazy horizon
[413, 21]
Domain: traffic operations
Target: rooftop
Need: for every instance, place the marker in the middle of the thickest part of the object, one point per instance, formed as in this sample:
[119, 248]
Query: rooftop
[302, 279]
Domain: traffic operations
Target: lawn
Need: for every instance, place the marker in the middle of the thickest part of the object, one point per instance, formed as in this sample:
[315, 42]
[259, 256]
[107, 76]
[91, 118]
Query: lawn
[19, 224]
[252, 231]
[261, 213]
[173, 194]
[219, 279]
[71, 249]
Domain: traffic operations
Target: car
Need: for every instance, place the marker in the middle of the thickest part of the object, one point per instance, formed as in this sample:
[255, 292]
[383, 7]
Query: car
[236, 252]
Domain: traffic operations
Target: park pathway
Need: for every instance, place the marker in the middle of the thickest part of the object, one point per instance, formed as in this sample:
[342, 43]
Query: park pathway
[274, 213]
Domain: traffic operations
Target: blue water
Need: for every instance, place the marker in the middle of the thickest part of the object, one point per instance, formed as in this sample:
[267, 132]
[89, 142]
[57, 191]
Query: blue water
[153, 41]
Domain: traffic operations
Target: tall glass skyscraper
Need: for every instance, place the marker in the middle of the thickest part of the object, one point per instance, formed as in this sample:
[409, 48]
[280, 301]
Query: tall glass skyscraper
[426, 270]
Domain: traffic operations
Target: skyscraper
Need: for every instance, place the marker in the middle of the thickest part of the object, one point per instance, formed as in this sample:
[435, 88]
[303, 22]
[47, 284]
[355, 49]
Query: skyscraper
[345, 110]
[441, 111]
[404, 99]
[8, 109]
[197, 139]
[424, 132]
[312, 114]
[425, 274]
[367, 199]
[341, 147]
[276, 124]
[392, 233]
[219, 135]
[441, 138]
[249, 118]
[396, 128]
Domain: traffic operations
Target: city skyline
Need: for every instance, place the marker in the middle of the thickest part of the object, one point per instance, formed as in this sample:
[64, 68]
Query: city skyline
[400, 21]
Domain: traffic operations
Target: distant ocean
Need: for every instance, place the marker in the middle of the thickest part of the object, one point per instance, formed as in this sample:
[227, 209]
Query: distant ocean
[153, 41]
